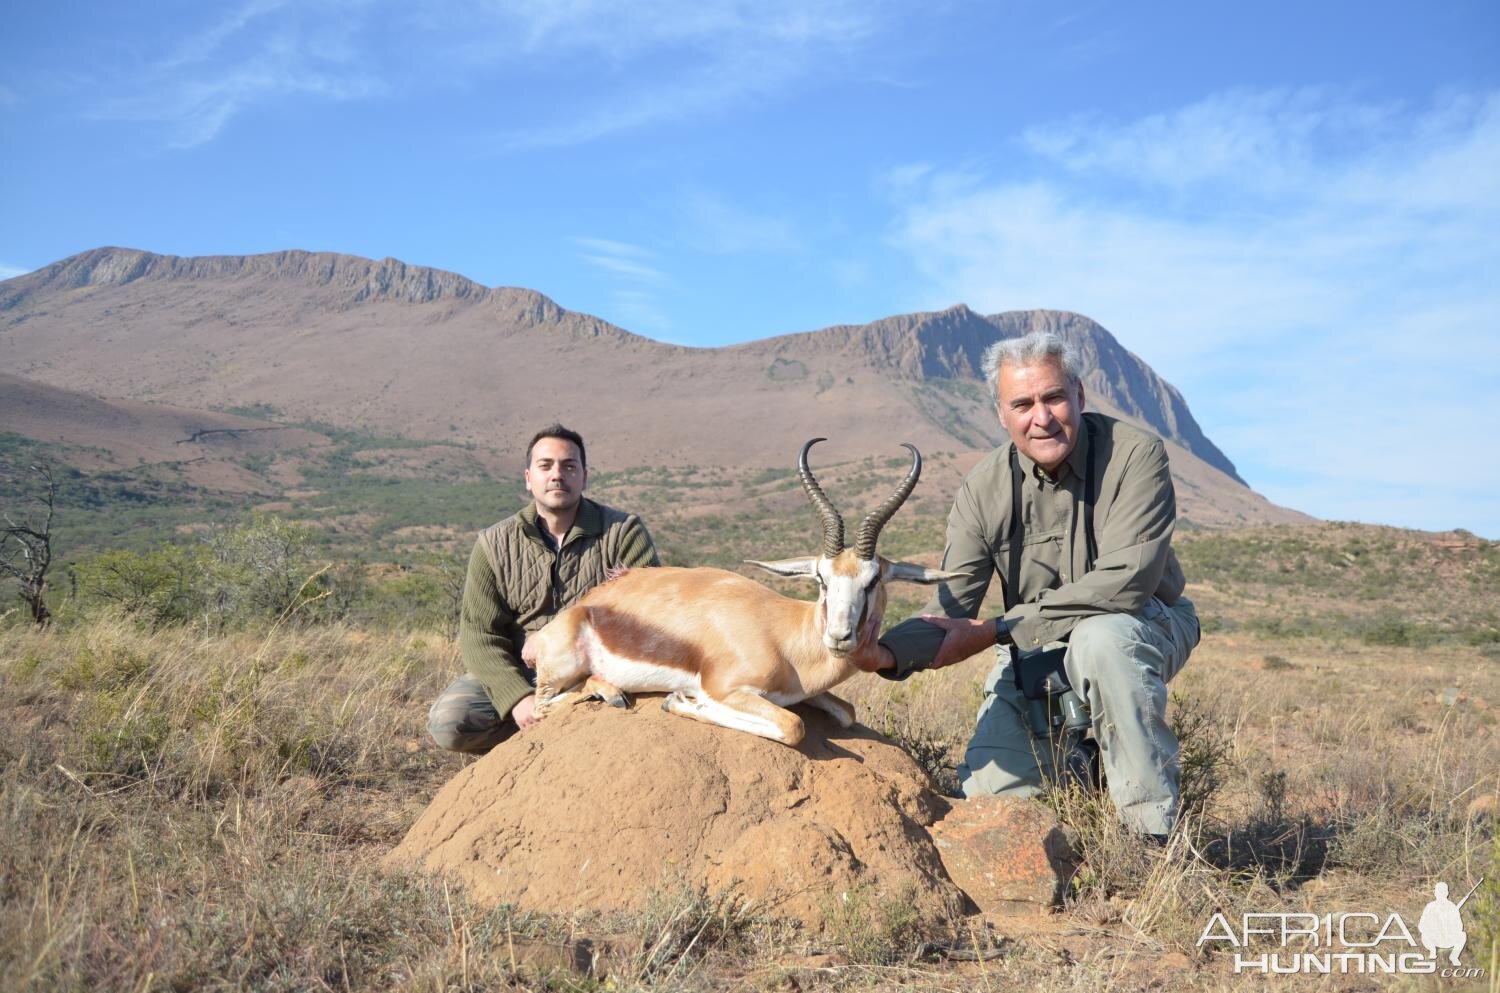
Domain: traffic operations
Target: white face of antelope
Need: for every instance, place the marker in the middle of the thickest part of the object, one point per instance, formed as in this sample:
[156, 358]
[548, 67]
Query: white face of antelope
[849, 599]
[851, 592]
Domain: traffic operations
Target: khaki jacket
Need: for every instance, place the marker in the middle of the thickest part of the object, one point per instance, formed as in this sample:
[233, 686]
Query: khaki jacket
[1134, 511]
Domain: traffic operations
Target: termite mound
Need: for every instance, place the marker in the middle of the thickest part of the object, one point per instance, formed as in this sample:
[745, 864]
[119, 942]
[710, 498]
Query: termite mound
[597, 808]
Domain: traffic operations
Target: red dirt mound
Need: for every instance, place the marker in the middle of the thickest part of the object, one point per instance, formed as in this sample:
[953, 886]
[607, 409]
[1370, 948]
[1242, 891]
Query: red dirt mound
[594, 808]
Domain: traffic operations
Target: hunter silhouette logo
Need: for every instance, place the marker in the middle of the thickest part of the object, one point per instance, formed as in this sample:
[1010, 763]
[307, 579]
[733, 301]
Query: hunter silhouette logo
[1441, 926]
[1358, 942]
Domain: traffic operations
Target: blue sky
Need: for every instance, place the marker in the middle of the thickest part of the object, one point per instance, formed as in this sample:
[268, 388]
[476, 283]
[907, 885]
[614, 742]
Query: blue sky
[1289, 210]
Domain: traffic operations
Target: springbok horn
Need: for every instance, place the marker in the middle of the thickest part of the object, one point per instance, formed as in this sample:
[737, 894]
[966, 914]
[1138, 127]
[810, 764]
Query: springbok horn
[833, 524]
[869, 528]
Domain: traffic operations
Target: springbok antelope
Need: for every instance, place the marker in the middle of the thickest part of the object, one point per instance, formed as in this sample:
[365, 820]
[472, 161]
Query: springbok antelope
[726, 649]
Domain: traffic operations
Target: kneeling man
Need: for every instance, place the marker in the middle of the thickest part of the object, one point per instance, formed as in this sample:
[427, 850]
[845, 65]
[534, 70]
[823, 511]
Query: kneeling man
[1076, 514]
[522, 572]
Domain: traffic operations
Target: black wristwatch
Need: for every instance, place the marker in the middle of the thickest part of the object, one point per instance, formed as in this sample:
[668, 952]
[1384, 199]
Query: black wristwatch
[1002, 631]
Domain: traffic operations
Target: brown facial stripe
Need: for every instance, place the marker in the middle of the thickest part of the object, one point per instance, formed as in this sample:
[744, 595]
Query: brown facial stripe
[874, 614]
[632, 638]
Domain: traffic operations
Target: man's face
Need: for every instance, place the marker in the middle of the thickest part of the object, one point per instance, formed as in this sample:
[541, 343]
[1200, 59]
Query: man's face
[556, 476]
[1042, 409]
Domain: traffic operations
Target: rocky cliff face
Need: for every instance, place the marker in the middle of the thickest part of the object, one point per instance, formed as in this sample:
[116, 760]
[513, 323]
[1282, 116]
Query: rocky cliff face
[361, 279]
[949, 345]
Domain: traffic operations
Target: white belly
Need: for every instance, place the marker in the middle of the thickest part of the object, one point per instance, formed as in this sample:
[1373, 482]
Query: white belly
[636, 675]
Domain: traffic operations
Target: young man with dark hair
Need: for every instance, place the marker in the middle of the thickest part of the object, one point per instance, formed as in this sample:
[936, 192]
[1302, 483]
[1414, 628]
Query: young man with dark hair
[522, 571]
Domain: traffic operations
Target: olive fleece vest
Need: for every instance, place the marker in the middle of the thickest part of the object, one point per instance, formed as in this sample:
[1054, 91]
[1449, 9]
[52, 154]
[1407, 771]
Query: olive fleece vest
[536, 583]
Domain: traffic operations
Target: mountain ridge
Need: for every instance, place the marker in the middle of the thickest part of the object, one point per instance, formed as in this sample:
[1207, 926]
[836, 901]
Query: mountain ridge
[948, 344]
[426, 353]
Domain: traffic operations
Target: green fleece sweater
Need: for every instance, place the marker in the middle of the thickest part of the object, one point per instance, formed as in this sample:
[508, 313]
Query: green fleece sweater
[516, 583]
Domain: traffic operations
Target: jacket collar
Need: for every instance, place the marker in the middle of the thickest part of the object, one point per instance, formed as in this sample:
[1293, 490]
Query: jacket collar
[590, 521]
[1077, 460]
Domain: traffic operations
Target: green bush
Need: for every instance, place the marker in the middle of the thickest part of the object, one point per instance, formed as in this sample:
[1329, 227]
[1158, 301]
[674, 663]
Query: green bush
[1397, 633]
[161, 587]
[419, 598]
[262, 569]
[873, 929]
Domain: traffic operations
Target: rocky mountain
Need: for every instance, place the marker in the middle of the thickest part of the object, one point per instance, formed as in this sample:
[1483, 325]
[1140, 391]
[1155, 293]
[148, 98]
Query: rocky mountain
[948, 345]
[406, 350]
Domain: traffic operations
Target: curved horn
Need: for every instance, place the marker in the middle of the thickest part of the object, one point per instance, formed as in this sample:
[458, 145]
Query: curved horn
[869, 528]
[833, 524]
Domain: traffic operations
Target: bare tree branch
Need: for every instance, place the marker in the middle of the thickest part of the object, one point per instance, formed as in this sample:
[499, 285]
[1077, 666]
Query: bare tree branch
[26, 548]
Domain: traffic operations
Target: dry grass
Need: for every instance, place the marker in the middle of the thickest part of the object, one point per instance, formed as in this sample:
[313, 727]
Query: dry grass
[206, 811]
[1344, 779]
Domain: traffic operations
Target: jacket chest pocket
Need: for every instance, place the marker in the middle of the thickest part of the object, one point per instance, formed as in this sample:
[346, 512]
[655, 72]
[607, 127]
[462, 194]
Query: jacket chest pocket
[1041, 563]
[1031, 547]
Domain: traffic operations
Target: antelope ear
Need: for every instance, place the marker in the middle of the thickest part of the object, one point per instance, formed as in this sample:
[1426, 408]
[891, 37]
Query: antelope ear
[910, 572]
[789, 567]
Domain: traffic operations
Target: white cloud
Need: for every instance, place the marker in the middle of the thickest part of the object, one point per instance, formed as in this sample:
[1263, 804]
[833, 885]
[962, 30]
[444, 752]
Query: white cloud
[611, 247]
[668, 60]
[621, 258]
[617, 66]
[903, 180]
[621, 29]
[1316, 273]
[625, 267]
[259, 51]
[200, 46]
[1291, 143]
[716, 226]
[691, 94]
[637, 278]
[11, 271]
[638, 311]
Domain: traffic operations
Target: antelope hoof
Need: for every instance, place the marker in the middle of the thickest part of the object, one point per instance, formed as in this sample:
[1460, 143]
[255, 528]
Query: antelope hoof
[603, 689]
[615, 698]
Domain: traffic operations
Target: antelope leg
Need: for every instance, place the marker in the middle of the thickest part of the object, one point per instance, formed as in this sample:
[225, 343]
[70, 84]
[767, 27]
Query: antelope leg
[842, 710]
[740, 710]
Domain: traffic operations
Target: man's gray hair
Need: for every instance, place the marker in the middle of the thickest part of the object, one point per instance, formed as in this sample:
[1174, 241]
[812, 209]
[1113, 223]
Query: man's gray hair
[1034, 347]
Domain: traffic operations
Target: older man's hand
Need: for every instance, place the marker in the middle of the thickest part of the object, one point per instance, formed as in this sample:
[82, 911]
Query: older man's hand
[872, 657]
[962, 638]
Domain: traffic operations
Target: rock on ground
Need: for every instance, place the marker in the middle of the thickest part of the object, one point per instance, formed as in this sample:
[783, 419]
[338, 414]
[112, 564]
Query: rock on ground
[1004, 851]
[594, 808]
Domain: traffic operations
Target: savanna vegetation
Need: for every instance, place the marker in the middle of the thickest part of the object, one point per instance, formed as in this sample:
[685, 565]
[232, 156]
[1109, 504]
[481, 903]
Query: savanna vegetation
[207, 750]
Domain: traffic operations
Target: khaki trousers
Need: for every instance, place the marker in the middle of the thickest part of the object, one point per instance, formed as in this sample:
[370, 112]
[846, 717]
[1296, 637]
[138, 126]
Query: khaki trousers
[1120, 664]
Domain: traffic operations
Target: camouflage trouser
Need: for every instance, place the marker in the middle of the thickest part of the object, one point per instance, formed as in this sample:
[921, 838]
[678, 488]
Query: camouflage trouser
[464, 720]
[1120, 664]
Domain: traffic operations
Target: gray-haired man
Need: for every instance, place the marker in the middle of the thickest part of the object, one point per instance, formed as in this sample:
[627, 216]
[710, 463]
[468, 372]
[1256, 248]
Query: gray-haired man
[1093, 568]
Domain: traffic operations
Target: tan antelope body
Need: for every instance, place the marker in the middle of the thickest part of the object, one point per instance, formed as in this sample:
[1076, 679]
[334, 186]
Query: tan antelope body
[726, 649]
